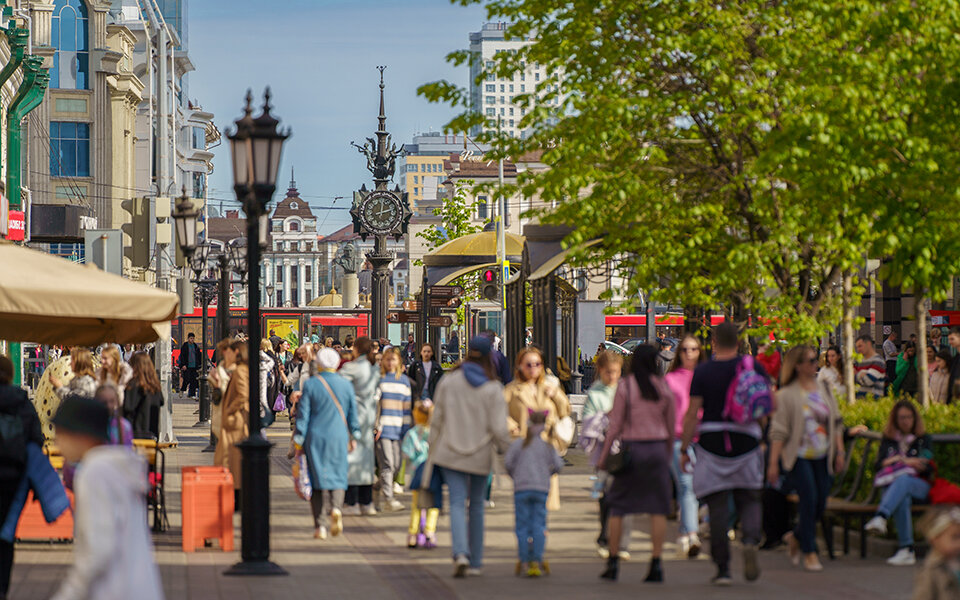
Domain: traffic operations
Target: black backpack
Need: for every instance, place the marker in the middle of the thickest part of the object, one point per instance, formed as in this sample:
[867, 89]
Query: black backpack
[13, 439]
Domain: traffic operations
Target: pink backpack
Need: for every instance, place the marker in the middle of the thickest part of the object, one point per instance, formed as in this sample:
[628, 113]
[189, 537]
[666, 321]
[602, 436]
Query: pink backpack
[749, 397]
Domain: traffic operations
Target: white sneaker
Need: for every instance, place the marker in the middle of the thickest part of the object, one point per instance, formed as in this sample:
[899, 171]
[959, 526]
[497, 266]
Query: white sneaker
[877, 525]
[623, 555]
[603, 552]
[393, 505]
[320, 533]
[336, 522]
[397, 488]
[460, 565]
[903, 558]
[695, 546]
[491, 504]
[473, 572]
[683, 546]
[368, 510]
[351, 510]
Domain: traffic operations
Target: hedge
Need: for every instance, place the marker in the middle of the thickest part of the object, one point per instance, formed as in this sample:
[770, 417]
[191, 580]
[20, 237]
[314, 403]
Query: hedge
[938, 418]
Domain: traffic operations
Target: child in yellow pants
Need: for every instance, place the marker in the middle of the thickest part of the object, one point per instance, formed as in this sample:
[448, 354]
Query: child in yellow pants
[423, 521]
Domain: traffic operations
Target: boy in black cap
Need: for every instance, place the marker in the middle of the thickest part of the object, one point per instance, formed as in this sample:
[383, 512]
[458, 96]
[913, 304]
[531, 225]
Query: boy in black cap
[113, 552]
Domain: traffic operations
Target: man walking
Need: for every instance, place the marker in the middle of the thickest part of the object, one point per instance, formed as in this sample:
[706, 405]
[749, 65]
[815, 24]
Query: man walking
[729, 459]
[189, 363]
[953, 338]
[870, 373]
[890, 354]
[409, 351]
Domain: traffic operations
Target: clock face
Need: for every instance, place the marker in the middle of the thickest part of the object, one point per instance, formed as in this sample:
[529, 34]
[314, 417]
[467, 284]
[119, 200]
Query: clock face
[381, 212]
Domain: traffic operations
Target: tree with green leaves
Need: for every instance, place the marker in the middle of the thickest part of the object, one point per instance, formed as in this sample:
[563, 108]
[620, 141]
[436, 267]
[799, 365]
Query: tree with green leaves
[455, 220]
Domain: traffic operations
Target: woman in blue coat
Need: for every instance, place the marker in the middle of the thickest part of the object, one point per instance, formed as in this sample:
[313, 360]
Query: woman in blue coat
[326, 432]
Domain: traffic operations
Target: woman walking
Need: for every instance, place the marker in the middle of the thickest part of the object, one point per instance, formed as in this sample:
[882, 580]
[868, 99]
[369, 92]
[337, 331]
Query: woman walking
[678, 378]
[831, 374]
[143, 398]
[424, 374]
[394, 418]
[266, 374]
[235, 415]
[327, 432]
[533, 390]
[806, 436]
[469, 422]
[903, 471]
[364, 375]
[643, 421]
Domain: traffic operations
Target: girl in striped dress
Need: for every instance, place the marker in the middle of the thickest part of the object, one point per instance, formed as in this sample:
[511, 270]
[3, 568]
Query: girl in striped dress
[393, 420]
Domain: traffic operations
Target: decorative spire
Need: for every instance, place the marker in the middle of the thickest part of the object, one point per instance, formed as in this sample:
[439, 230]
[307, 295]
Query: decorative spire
[383, 115]
[381, 154]
[292, 190]
[293, 181]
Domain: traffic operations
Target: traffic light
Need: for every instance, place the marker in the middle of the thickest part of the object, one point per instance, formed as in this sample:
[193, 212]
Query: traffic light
[137, 242]
[490, 284]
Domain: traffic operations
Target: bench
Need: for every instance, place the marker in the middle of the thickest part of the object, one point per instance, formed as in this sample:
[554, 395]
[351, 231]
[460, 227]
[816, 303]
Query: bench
[846, 506]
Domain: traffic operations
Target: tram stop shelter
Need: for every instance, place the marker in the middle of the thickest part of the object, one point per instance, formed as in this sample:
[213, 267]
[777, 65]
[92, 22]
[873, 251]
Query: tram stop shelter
[540, 255]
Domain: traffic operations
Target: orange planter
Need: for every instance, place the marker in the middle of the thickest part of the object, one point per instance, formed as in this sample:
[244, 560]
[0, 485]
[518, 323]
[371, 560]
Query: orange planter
[207, 505]
[32, 525]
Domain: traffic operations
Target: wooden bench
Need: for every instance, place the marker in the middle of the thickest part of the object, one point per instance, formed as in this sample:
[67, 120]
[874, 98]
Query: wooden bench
[847, 506]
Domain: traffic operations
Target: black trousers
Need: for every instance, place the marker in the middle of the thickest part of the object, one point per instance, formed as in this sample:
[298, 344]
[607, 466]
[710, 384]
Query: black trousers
[7, 491]
[358, 494]
[191, 381]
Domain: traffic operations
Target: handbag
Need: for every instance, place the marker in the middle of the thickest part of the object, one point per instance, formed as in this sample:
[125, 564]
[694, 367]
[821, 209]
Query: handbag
[618, 461]
[301, 478]
[565, 429]
[279, 405]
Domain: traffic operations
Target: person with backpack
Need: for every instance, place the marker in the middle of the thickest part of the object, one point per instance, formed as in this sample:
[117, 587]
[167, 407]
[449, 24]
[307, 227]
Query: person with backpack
[733, 393]
[806, 442]
[19, 425]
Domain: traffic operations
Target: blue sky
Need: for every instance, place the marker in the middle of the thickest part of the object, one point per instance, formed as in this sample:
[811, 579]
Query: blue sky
[319, 58]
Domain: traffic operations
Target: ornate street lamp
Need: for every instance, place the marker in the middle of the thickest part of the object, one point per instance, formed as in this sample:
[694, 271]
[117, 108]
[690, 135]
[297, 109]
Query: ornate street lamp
[256, 145]
[270, 289]
[185, 217]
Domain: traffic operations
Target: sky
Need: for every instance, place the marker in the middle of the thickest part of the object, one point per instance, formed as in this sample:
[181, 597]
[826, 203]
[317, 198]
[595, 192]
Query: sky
[319, 59]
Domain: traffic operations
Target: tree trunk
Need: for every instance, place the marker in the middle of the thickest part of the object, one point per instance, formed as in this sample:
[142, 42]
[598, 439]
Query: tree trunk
[923, 374]
[848, 347]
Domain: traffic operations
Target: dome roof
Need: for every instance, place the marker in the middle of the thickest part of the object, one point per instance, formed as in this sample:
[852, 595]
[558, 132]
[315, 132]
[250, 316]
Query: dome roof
[331, 299]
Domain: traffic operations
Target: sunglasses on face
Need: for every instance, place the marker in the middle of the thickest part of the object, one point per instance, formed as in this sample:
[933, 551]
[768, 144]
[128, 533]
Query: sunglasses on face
[531, 365]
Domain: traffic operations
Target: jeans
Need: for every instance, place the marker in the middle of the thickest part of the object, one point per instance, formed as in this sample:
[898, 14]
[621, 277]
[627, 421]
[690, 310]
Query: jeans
[7, 492]
[322, 502]
[686, 499]
[812, 480]
[388, 454]
[466, 488]
[531, 520]
[747, 503]
[896, 502]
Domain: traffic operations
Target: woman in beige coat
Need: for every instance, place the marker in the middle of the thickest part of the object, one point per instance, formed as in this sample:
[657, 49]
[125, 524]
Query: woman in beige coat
[806, 438]
[534, 390]
[235, 417]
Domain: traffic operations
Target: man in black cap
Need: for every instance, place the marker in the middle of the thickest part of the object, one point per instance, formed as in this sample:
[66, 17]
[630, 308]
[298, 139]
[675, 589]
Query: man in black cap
[113, 551]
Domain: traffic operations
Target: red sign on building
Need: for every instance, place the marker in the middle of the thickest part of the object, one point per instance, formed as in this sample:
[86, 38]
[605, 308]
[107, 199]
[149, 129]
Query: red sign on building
[16, 226]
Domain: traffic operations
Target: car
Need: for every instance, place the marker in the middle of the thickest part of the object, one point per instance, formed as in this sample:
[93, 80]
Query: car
[614, 347]
[632, 343]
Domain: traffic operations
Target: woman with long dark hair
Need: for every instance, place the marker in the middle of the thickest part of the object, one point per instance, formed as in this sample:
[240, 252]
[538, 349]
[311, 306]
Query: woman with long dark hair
[142, 402]
[831, 373]
[469, 421]
[363, 373]
[643, 420]
[424, 374]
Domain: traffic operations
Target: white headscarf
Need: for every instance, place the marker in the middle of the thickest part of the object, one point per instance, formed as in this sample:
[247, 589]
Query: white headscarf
[329, 359]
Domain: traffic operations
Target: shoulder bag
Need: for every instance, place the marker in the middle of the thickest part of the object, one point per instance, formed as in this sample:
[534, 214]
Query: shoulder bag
[336, 402]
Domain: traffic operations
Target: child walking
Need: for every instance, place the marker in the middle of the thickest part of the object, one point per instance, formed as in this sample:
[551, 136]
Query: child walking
[531, 462]
[416, 447]
[393, 421]
[940, 577]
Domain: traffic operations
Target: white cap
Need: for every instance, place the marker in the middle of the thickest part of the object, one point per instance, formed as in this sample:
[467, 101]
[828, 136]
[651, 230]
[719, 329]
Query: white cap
[329, 359]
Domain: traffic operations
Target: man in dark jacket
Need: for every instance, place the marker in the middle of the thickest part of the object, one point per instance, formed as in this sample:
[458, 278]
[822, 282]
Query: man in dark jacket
[409, 351]
[189, 363]
[19, 422]
[500, 362]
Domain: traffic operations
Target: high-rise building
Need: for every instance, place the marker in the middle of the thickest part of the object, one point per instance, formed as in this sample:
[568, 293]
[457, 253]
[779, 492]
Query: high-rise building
[421, 166]
[494, 96]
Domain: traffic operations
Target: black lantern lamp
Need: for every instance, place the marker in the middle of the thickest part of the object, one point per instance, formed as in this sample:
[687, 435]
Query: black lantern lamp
[185, 217]
[256, 145]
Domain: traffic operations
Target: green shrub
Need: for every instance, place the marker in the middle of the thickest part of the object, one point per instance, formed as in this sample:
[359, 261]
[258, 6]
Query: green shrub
[937, 418]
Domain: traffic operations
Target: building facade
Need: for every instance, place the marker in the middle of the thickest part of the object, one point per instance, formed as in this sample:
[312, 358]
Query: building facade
[292, 263]
[421, 166]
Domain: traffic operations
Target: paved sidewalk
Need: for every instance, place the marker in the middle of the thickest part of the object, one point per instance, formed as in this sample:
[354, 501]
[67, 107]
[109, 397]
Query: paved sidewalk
[371, 561]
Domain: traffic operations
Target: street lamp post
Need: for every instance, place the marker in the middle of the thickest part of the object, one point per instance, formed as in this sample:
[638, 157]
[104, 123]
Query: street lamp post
[270, 295]
[206, 290]
[255, 147]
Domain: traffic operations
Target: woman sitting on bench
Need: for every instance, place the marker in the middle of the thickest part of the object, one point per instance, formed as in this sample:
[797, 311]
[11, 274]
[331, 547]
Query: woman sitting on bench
[903, 468]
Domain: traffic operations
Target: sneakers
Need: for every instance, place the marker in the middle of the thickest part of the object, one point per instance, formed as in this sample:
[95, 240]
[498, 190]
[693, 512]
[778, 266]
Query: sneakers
[903, 558]
[320, 533]
[694, 546]
[351, 510]
[722, 578]
[460, 565]
[533, 570]
[811, 562]
[397, 488]
[392, 505]
[545, 567]
[336, 522]
[624, 555]
[474, 572]
[751, 568]
[412, 540]
[683, 546]
[603, 552]
[877, 525]
[793, 547]
[368, 510]
[491, 504]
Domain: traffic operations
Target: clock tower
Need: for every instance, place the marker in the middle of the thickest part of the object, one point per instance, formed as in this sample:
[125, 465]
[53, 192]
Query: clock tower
[380, 212]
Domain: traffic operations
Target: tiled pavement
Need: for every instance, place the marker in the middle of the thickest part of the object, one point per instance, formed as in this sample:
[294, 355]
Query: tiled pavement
[370, 560]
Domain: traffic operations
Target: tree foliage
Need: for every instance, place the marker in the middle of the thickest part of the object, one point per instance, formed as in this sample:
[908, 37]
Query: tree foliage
[455, 220]
[740, 156]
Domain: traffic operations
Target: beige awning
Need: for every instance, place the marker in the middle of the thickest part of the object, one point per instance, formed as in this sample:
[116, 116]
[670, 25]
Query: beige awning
[51, 300]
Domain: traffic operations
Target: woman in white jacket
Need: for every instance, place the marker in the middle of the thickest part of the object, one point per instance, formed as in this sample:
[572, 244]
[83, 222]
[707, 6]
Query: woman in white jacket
[266, 368]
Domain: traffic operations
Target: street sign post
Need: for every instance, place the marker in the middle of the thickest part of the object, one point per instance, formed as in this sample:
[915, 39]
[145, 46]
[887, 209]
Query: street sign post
[446, 291]
[411, 305]
[403, 317]
[442, 321]
[448, 303]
